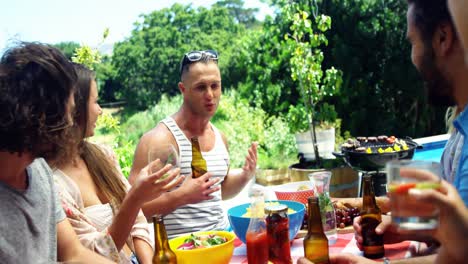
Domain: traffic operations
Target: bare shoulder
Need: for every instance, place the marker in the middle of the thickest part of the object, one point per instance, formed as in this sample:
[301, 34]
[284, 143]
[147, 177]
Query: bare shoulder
[224, 139]
[158, 134]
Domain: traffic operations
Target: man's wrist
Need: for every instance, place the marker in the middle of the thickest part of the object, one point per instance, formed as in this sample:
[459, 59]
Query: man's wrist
[177, 197]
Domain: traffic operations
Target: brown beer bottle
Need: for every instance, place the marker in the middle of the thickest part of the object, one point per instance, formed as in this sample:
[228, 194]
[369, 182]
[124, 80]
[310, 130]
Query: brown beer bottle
[162, 252]
[315, 242]
[198, 162]
[370, 219]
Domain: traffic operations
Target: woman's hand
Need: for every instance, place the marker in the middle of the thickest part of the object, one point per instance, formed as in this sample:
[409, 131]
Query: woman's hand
[149, 186]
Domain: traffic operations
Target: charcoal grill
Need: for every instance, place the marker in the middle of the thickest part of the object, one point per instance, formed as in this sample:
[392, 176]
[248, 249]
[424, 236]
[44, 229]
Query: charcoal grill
[374, 163]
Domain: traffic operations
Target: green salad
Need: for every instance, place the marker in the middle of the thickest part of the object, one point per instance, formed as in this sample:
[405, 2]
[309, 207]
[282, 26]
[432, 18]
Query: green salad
[202, 241]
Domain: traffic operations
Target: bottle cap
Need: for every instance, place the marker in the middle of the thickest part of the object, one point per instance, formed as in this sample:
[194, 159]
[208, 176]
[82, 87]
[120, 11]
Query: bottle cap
[275, 209]
[313, 199]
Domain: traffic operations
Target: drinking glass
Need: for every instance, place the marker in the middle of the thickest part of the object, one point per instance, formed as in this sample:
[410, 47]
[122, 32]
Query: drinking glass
[321, 183]
[167, 154]
[408, 213]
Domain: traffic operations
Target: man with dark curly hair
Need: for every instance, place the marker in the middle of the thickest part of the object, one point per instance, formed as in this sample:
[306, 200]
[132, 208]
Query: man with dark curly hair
[36, 102]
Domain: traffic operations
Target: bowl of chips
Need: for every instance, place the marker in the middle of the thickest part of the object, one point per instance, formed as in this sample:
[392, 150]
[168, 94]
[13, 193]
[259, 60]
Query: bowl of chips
[239, 217]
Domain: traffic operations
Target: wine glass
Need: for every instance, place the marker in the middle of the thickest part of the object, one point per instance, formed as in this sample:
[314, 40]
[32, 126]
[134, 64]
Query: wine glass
[167, 154]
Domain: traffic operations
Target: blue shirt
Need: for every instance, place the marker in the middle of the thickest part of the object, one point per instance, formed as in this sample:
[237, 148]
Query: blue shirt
[461, 176]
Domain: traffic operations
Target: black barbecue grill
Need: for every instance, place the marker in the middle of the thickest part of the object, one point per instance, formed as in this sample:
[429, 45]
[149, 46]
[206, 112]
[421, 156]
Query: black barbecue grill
[374, 163]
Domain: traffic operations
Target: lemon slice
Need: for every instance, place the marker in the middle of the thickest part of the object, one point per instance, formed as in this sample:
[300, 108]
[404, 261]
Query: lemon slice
[427, 185]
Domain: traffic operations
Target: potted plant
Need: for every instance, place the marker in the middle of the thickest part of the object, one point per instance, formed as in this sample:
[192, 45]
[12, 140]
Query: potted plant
[326, 126]
[304, 41]
[275, 153]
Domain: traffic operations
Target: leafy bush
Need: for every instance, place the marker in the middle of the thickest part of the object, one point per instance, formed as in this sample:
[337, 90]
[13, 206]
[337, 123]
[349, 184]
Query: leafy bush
[243, 124]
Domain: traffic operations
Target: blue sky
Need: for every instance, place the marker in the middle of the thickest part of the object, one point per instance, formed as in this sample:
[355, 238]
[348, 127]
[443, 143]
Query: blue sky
[82, 21]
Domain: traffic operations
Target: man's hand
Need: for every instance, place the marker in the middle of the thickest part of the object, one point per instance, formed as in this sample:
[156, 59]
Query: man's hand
[250, 164]
[391, 236]
[453, 219]
[199, 189]
[236, 179]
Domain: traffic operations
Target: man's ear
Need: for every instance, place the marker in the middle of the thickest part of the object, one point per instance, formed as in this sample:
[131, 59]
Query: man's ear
[181, 87]
[444, 39]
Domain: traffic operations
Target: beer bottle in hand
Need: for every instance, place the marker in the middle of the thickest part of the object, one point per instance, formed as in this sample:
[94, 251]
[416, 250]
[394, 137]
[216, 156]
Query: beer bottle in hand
[162, 252]
[198, 162]
[370, 219]
[315, 242]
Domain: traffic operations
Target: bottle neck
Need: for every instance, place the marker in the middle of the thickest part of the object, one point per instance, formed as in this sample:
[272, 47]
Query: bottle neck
[315, 220]
[368, 196]
[257, 205]
[195, 145]
[160, 235]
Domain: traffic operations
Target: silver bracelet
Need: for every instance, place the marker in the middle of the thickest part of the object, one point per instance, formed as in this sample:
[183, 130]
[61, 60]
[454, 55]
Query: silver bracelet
[386, 260]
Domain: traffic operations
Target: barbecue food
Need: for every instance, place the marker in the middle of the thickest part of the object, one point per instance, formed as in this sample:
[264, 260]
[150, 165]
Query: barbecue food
[380, 144]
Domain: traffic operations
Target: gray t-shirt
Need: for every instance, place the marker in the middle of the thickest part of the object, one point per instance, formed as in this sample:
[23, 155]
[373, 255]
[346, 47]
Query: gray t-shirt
[28, 218]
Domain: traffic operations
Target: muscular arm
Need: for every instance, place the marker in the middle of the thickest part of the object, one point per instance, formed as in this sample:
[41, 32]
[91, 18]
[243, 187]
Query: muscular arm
[236, 179]
[233, 183]
[70, 249]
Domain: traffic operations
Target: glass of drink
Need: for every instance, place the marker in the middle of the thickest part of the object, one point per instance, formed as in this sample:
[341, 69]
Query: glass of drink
[404, 175]
[167, 154]
[321, 182]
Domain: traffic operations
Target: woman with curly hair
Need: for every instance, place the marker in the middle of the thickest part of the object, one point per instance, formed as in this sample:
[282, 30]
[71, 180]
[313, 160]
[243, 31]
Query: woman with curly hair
[36, 102]
[102, 207]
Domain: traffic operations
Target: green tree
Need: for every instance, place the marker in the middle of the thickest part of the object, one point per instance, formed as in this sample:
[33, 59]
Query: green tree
[147, 63]
[242, 15]
[68, 48]
[382, 92]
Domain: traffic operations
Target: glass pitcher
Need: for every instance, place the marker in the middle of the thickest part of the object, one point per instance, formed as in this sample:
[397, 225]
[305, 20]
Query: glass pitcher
[321, 183]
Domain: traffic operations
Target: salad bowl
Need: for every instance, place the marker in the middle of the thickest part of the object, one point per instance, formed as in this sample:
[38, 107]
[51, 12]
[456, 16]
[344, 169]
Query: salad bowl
[220, 253]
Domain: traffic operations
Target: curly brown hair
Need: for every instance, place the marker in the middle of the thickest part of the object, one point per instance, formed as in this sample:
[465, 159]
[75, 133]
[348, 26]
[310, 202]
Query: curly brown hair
[36, 84]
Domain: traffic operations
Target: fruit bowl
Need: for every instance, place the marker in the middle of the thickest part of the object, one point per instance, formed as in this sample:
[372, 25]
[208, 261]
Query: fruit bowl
[239, 223]
[215, 254]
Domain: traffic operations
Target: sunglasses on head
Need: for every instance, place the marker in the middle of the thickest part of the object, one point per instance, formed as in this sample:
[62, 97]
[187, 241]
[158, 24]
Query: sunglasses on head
[197, 55]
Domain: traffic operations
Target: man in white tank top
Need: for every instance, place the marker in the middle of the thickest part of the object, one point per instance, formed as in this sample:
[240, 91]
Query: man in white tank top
[196, 204]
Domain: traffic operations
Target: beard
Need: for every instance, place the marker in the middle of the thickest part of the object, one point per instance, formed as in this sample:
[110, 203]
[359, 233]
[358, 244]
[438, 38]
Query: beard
[439, 90]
